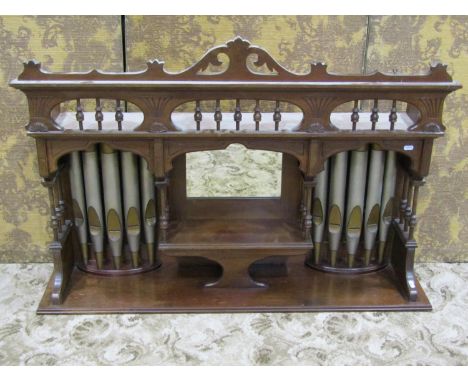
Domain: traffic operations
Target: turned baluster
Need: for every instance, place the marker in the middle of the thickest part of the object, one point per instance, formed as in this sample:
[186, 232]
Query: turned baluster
[404, 198]
[355, 115]
[99, 116]
[303, 207]
[56, 203]
[79, 114]
[393, 116]
[198, 114]
[257, 115]
[277, 115]
[218, 117]
[237, 114]
[60, 203]
[308, 186]
[409, 205]
[118, 114]
[162, 185]
[413, 220]
[375, 114]
[53, 218]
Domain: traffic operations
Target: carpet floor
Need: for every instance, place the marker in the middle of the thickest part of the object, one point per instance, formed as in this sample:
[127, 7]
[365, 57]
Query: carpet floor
[439, 337]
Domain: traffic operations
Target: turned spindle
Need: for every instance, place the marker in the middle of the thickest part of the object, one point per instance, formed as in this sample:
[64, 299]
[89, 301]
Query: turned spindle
[198, 114]
[237, 114]
[375, 114]
[257, 116]
[218, 117]
[393, 116]
[118, 114]
[355, 115]
[99, 116]
[79, 114]
[277, 115]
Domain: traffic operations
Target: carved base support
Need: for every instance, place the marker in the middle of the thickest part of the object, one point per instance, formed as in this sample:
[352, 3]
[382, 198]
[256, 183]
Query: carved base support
[63, 257]
[402, 260]
[235, 273]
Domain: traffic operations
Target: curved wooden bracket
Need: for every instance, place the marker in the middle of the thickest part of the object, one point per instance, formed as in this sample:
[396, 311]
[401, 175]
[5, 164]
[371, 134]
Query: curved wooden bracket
[177, 147]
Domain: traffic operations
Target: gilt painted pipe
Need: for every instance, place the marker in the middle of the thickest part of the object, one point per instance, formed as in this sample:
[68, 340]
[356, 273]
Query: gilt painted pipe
[112, 202]
[388, 194]
[131, 203]
[148, 208]
[78, 203]
[355, 202]
[373, 200]
[319, 208]
[94, 202]
[337, 202]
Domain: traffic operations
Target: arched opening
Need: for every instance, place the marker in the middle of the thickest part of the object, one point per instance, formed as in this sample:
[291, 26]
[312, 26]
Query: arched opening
[234, 172]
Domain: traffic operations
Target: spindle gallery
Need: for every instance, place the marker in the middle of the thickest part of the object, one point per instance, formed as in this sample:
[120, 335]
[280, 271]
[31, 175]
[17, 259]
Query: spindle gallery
[127, 237]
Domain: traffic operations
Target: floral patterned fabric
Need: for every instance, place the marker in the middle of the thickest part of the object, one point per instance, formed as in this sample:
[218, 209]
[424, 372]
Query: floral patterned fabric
[425, 338]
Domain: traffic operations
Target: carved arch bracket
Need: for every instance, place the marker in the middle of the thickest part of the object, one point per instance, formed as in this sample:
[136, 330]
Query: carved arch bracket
[56, 149]
[297, 149]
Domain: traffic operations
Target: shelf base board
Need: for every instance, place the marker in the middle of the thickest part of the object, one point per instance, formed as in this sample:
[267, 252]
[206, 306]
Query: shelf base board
[168, 290]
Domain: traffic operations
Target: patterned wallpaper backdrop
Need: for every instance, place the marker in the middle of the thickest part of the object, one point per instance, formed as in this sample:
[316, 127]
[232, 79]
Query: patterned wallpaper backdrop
[347, 44]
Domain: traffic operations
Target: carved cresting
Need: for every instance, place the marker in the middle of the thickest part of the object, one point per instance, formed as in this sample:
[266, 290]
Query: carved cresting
[317, 93]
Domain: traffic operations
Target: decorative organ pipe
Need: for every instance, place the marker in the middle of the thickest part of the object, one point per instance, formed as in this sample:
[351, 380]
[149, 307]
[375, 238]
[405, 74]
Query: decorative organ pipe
[78, 203]
[337, 201]
[112, 202]
[355, 201]
[319, 208]
[388, 194]
[148, 206]
[131, 203]
[373, 200]
[93, 203]
[123, 213]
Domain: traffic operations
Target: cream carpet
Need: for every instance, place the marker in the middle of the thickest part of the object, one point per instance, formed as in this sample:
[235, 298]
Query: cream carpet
[427, 338]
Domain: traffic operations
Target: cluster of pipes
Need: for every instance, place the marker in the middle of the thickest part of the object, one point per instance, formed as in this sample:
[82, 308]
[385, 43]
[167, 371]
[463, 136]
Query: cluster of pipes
[360, 200]
[119, 201]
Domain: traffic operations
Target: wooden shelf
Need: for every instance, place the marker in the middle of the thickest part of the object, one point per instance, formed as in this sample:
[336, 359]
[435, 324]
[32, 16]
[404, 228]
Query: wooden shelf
[169, 290]
[216, 234]
[236, 245]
